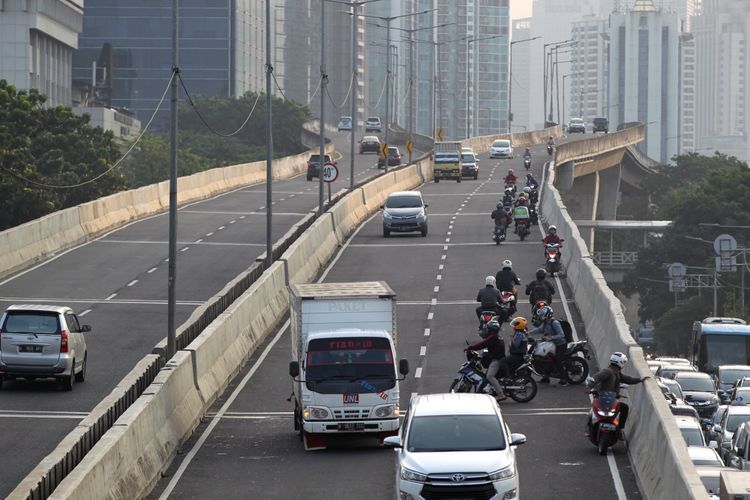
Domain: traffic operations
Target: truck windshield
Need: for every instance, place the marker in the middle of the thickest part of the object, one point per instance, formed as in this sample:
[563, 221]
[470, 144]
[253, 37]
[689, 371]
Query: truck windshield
[446, 157]
[350, 365]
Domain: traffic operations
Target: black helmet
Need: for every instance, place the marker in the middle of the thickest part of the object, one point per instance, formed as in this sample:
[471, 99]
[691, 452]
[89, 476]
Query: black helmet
[499, 204]
[541, 274]
[493, 327]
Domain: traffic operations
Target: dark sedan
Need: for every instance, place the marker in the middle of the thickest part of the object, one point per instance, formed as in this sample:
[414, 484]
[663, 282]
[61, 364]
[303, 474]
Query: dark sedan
[394, 158]
[369, 144]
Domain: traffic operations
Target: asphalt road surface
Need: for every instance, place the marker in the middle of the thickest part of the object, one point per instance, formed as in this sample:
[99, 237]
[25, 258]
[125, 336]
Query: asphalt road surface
[247, 447]
[118, 284]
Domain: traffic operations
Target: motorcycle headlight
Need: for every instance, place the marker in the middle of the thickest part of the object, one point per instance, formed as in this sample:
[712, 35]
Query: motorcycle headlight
[316, 413]
[386, 411]
[410, 475]
[501, 474]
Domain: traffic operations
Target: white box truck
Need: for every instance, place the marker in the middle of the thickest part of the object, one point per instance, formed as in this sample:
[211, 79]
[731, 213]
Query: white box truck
[344, 360]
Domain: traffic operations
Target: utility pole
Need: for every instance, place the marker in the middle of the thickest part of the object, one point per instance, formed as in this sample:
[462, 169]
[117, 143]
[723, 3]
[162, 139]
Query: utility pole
[172, 267]
[323, 83]
[353, 95]
[269, 141]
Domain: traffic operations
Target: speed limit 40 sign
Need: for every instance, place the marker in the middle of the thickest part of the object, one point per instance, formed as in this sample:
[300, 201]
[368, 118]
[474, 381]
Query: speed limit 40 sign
[330, 172]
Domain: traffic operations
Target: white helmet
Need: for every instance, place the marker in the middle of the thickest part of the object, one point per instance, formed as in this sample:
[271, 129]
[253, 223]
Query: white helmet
[489, 281]
[618, 359]
[507, 263]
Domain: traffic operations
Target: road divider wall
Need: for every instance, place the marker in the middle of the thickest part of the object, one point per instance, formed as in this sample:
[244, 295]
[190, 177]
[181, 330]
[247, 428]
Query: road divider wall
[600, 144]
[39, 239]
[147, 436]
[657, 450]
[481, 144]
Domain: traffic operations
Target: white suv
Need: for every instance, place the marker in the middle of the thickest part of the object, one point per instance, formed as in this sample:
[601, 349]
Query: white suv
[457, 446]
[42, 342]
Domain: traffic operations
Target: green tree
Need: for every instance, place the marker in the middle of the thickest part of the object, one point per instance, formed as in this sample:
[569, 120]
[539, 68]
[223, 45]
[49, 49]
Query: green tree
[45, 150]
[149, 162]
[672, 329]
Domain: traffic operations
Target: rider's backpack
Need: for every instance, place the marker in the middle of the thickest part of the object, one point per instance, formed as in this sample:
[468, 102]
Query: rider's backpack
[539, 291]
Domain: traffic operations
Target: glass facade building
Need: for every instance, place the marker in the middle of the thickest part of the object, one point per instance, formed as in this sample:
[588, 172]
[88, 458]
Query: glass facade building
[221, 48]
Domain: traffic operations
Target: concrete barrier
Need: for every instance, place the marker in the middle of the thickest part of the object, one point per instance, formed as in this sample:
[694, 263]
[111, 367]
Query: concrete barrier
[481, 144]
[127, 460]
[600, 144]
[656, 448]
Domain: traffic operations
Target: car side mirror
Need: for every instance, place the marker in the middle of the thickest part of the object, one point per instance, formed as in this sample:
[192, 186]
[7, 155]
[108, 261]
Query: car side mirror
[85, 328]
[382, 207]
[713, 444]
[294, 369]
[392, 441]
[516, 439]
[426, 205]
[403, 366]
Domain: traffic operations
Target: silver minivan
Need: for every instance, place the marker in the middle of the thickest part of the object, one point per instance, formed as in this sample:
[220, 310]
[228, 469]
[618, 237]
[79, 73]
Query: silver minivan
[39, 341]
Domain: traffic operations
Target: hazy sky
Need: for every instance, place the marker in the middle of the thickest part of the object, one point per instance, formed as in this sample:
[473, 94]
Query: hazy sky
[520, 8]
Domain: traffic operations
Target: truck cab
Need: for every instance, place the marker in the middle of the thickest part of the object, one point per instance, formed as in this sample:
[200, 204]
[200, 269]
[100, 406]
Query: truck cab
[446, 161]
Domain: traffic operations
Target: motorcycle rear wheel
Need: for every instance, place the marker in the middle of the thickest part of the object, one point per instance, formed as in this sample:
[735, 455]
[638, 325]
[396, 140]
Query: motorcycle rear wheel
[460, 385]
[577, 368]
[527, 393]
[603, 445]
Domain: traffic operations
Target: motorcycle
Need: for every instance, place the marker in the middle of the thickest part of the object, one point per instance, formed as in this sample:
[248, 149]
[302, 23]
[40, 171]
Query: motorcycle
[533, 215]
[498, 235]
[535, 319]
[471, 377]
[507, 305]
[550, 149]
[605, 414]
[484, 318]
[512, 187]
[508, 203]
[552, 258]
[527, 163]
[543, 355]
[533, 195]
[522, 228]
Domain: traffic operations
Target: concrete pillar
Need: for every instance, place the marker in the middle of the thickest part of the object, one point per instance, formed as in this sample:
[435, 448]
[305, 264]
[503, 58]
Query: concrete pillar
[581, 202]
[609, 193]
[564, 175]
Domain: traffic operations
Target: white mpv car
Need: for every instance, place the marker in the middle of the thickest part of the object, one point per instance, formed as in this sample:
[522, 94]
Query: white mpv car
[456, 446]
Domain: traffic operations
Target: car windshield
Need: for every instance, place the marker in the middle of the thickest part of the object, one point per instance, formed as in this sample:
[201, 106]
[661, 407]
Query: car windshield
[675, 388]
[576, 121]
[314, 158]
[446, 157]
[468, 158]
[703, 384]
[19, 322]
[708, 460]
[693, 436]
[500, 144]
[456, 433]
[403, 201]
[730, 376]
[349, 365]
[373, 119]
[734, 420]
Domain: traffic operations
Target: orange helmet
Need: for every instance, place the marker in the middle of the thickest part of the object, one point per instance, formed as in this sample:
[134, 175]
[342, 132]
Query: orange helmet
[518, 323]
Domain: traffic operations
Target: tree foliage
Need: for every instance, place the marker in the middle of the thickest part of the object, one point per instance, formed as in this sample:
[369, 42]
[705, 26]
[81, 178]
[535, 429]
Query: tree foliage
[149, 162]
[695, 194]
[42, 147]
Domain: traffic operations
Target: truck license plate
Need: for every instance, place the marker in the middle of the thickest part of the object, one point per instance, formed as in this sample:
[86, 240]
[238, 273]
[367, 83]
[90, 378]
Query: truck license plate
[351, 426]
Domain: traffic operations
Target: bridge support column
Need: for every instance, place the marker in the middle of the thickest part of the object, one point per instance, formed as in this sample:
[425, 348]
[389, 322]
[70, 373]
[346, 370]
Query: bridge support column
[581, 202]
[564, 175]
[609, 193]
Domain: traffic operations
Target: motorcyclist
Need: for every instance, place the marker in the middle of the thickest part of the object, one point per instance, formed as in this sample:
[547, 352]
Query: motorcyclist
[508, 198]
[506, 281]
[553, 238]
[535, 320]
[551, 141]
[527, 153]
[517, 349]
[511, 177]
[540, 288]
[551, 330]
[501, 217]
[489, 297]
[521, 212]
[523, 199]
[610, 378]
[530, 181]
[495, 352]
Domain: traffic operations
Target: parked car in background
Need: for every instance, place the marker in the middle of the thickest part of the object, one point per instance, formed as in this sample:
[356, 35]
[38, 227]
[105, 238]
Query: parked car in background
[345, 123]
[42, 341]
[704, 456]
[373, 124]
[600, 125]
[469, 165]
[673, 360]
[456, 446]
[669, 371]
[726, 377]
[699, 391]
[691, 431]
[403, 212]
[576, 125]
[394, 157]
[369, 144]
[501, 148]
[313, 165]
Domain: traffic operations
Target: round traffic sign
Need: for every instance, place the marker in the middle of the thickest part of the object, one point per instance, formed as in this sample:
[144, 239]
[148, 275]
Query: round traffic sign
[330, 172]
[677, 270]
[725, 244]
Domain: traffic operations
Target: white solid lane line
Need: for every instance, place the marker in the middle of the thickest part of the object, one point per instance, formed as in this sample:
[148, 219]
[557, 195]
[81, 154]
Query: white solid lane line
[152, 270]
[132, 282]
[84, 313]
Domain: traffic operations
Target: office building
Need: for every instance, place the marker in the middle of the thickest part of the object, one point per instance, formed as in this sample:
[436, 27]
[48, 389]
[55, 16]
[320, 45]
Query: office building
[687, 140]
[644, 75]
[722, 59]
[37, 40]
[222, 50]
[589, 69]
[522, 56]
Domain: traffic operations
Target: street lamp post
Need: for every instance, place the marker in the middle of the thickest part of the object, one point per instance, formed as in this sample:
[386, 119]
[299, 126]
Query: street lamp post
[388, 20]
[510, 78]
[323, 83]
[546, 64]
[563, 89]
